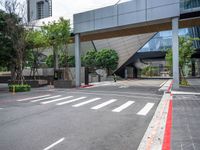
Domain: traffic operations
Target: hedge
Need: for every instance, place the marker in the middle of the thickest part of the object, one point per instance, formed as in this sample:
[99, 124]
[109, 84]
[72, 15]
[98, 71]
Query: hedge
[19, 88]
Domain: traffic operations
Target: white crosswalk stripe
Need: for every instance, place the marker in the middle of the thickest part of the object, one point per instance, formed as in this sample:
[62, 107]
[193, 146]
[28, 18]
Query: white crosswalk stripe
[56, 100]
[37, 100]
[104, 104]
[62, 100]
[70, 101]
[31, 98]
[122, 107]
[144, 111]
[86, 102]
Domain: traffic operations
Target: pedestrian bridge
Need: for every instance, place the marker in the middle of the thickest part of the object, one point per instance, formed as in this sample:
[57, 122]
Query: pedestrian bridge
[136, 17]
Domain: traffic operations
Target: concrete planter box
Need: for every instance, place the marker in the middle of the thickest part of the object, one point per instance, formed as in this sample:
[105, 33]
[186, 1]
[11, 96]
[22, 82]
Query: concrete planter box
[37, 83]
[63, 84]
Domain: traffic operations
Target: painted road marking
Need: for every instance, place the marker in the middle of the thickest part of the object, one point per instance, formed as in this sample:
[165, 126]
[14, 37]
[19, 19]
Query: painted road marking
[56, 100]
[31, 98]
[70, 101]
[124, 106]
[163, 83]
[54, 144]
[86, 102]
[1, 108]
[37, 100]
[144, 111]
[184, 93]
[104, 104]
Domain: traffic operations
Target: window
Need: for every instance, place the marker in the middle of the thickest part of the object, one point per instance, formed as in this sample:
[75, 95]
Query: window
[40, 10]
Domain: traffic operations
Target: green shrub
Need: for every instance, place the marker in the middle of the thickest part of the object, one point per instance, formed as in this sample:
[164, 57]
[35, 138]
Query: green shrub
[19, 87]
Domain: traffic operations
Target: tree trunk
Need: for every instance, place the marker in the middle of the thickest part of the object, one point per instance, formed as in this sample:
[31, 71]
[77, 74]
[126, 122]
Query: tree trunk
[13, 71]
[56, 66]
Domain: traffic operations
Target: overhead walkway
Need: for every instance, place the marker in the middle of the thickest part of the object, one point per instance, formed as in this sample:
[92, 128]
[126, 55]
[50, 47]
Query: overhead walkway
[133, 18]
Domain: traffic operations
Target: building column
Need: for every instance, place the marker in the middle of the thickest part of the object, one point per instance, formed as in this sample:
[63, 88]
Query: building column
[175, 51]
[77, 60]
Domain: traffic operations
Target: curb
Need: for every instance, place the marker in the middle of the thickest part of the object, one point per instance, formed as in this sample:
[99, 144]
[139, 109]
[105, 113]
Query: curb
[158, 133]
[167, 136]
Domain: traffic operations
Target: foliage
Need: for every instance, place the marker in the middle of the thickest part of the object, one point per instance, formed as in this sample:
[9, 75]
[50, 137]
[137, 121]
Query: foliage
[67, 61]
[35, 39]
[90, 59]
[105, 58]
[186, 49]
[19, 87]
[49, 61]
[150, 71]
[57, 35]
[64, 61]
[13, 33]
[7, 52]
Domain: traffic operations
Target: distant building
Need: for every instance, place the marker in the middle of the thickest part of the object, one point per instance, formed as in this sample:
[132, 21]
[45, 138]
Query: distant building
[38, 9]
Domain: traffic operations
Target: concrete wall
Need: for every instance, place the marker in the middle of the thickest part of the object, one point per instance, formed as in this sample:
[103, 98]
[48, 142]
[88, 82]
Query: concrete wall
[128, 13]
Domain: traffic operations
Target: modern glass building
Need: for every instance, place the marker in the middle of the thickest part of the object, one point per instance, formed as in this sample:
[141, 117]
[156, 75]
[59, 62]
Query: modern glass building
[152, 55]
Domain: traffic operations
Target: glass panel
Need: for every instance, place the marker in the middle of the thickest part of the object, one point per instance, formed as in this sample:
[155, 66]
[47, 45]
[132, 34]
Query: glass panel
[189, 5]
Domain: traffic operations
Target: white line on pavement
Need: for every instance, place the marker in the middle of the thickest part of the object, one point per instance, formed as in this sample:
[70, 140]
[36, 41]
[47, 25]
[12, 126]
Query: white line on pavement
[184, 93]
[37, 100]
[31, 98]
[104, 104]
[1, 108]
[70, 101]
[124, 106]
[163, 83]
[86, 102]
[54, 144]
[145, 109]
[56, 100]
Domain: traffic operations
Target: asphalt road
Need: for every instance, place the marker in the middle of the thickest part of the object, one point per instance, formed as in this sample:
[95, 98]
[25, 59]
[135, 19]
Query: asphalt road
[99, 118]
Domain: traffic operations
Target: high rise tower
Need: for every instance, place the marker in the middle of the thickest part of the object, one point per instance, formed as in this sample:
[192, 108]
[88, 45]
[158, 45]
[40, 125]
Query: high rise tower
[38, 9]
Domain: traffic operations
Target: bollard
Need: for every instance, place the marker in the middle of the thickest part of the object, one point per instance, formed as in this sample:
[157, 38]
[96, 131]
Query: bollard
[13, 89]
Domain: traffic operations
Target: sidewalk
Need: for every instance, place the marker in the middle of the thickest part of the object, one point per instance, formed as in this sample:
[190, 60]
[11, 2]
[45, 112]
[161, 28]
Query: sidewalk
[186, 118]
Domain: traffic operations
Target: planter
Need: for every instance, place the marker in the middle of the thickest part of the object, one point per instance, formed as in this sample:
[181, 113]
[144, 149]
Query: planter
[19, 88]
[63, 84]
[32, 83]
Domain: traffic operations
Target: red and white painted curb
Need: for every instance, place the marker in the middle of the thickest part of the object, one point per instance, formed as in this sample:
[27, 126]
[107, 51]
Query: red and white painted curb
[158, 133]
[167, 137]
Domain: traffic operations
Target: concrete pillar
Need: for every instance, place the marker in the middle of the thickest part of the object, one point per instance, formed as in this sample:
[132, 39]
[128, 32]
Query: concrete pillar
[126, 73]
[175, 51]
[78, 60]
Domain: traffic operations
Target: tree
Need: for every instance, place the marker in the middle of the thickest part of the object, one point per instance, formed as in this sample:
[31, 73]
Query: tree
[36, 42]
[57, 35]
[105, 58]
[186, 49]
[108, 59]
[15, 33]
[90, 59]
[7, 52]
[64, 61]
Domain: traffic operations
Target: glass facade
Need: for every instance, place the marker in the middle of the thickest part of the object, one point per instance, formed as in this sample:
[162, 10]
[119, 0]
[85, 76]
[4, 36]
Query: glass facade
[189, 5]
[163, 40]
